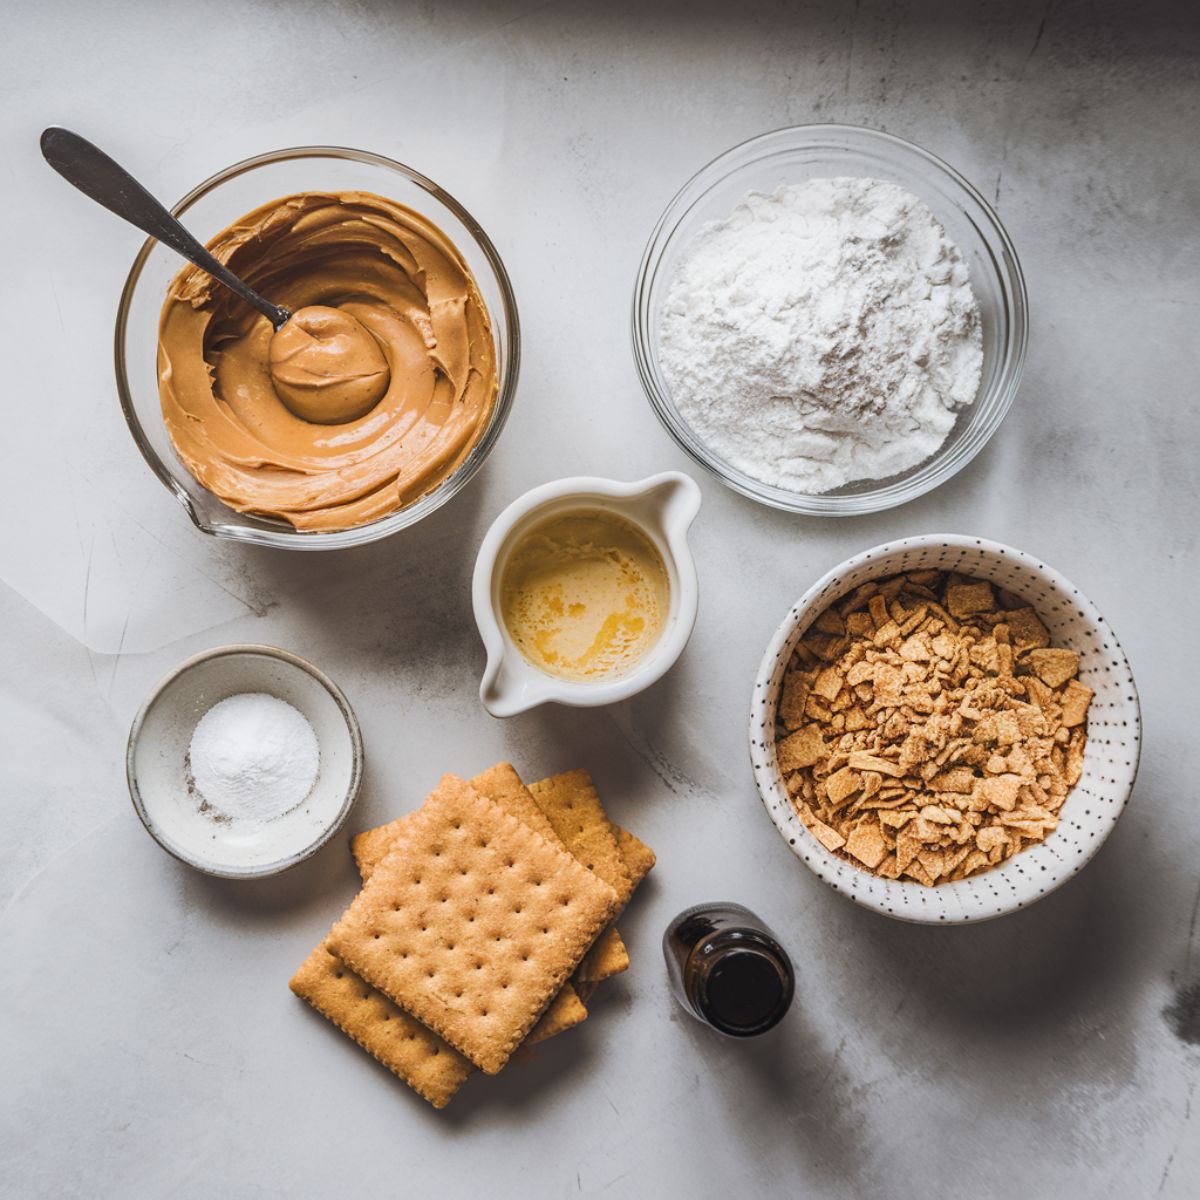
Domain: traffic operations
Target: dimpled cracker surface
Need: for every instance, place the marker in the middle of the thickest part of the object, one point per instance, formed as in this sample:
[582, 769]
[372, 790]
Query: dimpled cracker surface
[610, 956]
[502, 784]
[473, 922]
[572, 805]
[371, 846]
[431, 1067]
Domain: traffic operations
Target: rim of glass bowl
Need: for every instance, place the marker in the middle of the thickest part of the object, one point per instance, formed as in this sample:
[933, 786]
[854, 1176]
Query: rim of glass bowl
[284, 536]
[1002, 256]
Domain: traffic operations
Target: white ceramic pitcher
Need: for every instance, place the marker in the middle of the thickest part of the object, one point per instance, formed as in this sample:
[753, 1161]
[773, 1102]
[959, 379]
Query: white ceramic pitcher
[663, 508]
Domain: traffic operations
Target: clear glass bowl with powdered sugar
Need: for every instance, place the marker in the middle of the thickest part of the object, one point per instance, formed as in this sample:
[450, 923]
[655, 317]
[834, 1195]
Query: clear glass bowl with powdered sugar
[794, 156]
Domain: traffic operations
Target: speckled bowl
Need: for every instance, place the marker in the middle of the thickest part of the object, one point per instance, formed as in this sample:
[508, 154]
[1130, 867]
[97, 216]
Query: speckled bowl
[1089, 812]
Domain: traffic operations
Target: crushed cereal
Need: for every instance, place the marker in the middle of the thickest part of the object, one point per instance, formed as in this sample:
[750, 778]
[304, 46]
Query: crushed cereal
[928, 730]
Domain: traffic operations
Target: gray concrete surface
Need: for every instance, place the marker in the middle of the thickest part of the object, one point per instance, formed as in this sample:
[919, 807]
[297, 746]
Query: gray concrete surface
[148, 1043]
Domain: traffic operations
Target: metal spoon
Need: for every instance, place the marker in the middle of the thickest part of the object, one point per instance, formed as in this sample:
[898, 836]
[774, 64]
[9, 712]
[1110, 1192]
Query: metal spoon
[97, 176]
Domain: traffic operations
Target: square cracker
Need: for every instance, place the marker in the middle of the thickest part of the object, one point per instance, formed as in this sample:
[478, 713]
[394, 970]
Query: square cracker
[371, 846]
[639, 858]
[414, 1053]
[410, 1050]
[431, 1067]
[473, 922]
[610, 956]
[564, 1012]
[502, 784]
[572, 804]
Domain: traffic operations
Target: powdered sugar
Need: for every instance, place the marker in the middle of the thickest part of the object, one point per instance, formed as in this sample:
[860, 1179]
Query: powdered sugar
[822, 334]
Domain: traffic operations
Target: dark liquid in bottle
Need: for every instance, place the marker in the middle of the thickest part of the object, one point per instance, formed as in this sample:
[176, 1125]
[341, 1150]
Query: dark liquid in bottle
[727, 969]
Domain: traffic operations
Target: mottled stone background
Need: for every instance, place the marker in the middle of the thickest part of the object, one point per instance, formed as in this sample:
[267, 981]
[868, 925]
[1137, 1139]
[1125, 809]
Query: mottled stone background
[149, 1044]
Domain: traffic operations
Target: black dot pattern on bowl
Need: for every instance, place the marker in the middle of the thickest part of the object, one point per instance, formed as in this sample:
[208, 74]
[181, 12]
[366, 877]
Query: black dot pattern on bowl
[1110, 760]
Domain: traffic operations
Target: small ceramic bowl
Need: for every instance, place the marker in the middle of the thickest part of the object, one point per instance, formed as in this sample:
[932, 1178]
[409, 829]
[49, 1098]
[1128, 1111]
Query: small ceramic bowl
[155, 762]
[1090, 810]
[663, 507]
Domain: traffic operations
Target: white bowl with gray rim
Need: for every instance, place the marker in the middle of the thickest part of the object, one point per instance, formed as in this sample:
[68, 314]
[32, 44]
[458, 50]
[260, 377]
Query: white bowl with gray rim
[157, 772]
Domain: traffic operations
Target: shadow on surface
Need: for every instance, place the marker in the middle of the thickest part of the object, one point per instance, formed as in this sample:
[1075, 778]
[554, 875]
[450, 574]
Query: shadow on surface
[308, 885]
[402, 596]
[1038, 1003]
[1079, 945]
[533, 1079]
[804, 1082]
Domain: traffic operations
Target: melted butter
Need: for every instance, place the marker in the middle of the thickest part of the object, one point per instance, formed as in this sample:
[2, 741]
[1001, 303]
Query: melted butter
[584, 596]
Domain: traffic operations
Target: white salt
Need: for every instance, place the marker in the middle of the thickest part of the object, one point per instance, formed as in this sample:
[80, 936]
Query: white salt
[253, 757]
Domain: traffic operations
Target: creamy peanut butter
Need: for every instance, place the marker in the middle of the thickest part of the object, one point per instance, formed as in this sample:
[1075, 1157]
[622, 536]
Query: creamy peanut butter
[585, 595]
[370, 395]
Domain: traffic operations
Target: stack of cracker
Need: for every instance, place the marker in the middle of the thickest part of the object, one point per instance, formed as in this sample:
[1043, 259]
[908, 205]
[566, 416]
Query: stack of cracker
[484, 923]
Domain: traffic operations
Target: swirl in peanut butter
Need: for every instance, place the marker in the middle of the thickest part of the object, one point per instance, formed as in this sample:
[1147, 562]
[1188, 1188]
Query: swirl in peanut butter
[370, 395]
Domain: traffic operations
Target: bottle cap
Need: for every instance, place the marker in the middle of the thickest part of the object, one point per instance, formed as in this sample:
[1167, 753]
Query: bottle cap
[744, 991]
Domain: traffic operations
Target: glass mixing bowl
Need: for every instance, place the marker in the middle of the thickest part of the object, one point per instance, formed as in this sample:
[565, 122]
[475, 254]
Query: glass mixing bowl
[812, 151]
[216, 204]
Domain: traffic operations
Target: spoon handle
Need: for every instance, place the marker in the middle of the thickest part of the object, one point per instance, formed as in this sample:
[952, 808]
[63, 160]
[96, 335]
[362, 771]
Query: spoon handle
[96, 175]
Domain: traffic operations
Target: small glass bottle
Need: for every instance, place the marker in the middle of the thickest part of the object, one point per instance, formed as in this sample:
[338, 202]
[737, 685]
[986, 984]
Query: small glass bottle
[728, 969]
